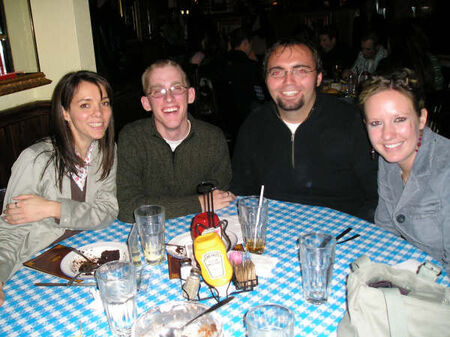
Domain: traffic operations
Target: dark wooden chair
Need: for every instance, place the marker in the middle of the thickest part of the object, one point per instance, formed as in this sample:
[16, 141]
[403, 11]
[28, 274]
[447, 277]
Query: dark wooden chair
[19, 128]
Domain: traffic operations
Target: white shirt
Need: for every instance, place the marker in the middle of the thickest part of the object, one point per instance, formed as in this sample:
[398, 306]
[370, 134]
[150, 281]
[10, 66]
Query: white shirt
[174, 143]
[292, 126]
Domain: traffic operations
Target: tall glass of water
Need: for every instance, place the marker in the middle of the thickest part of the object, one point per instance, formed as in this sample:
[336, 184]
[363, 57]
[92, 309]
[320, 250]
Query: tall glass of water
[151, 221]
[117, 285]
[316, 253]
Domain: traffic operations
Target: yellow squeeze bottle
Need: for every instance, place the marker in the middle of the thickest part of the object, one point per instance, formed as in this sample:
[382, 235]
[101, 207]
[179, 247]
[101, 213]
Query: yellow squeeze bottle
[210, 253]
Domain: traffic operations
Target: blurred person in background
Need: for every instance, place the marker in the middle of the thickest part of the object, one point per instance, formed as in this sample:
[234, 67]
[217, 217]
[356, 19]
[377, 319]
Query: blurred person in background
[408, 47]
[245, 85]
[372, 52]
[335, 57]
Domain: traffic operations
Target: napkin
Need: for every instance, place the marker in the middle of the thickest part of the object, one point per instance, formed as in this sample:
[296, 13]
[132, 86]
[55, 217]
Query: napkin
[235, 227]
[97, 304]
[264, 264]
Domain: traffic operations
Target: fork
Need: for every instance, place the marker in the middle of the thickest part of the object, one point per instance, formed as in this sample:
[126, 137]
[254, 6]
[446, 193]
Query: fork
[90, 269]
[76, 251]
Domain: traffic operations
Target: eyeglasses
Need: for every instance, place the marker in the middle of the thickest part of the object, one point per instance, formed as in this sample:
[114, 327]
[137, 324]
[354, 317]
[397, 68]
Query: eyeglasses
[176, 90]
[299, 72]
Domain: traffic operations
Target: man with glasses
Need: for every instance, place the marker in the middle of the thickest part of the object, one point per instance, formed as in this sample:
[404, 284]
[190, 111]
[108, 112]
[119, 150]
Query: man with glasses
[162, 159]
[305, 147]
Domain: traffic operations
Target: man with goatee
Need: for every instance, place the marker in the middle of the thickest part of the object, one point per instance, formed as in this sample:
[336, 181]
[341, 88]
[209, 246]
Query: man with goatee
[305, 147]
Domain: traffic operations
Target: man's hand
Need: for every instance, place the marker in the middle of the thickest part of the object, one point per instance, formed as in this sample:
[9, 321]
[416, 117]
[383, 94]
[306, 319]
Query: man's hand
[27, 208]
[221, 199]
[2, 294]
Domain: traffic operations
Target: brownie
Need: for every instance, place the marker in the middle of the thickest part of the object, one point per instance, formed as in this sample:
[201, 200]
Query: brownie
[109, 255]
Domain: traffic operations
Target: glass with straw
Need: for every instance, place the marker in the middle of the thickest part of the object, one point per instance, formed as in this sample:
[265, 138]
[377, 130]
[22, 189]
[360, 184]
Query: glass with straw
[253, 214]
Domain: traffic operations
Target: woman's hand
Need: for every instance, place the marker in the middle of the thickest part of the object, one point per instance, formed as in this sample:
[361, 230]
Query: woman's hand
[221, 199]
[27, 208]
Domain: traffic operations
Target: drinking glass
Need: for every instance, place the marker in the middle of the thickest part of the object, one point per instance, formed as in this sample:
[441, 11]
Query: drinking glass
[269, 320]
[151, 221]
[117, 285]
[253, 221]
[316, 253]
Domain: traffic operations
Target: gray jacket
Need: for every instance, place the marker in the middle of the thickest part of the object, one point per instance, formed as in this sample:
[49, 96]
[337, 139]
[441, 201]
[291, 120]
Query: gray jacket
[18, 243]
[420, 210]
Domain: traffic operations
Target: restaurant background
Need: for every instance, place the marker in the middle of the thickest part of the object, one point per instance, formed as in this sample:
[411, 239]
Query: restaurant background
[65, 40]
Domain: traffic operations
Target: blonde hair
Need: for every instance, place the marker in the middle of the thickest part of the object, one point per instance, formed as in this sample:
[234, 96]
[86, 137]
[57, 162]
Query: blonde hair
[403, 81]
[161, 64]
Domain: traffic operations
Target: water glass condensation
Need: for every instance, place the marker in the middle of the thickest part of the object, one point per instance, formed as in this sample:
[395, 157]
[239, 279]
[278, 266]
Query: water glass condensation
[269, 320]
[253, 225]
[151, 221]
[117, 285]
[316, 253]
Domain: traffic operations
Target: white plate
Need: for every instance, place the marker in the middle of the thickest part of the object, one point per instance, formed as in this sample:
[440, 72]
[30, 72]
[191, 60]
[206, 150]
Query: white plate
[185, 239]
[72, 261]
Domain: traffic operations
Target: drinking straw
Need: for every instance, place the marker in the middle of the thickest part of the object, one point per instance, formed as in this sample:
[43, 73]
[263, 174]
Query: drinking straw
[261, 196]
[258, 212]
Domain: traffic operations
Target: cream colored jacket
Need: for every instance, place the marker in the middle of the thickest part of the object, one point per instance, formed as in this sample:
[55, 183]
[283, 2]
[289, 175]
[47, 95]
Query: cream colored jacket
[18, 243]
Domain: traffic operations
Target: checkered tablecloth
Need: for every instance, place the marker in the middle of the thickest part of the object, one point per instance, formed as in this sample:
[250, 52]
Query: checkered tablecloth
[64, 311]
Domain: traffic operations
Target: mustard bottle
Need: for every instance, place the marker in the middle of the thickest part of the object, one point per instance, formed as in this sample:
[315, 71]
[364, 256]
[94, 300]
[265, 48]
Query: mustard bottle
[211, 255]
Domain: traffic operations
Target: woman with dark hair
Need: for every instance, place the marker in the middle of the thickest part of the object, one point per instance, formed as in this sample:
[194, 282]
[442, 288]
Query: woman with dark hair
[414, 167]
[65, 182]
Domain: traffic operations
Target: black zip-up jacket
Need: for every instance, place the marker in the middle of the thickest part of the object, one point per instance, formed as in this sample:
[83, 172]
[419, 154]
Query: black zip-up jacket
[326, 162]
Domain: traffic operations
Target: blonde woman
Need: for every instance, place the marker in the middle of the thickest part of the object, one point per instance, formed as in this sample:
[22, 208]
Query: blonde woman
[414, 167]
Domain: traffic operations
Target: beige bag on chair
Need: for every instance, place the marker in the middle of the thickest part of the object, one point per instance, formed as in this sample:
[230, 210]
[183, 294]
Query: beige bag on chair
[374, 311]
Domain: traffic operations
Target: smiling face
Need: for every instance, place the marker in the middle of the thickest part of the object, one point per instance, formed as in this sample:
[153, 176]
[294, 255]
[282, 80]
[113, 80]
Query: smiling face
[169, 111]
[89, 114]
[293, 95]
[394, 127]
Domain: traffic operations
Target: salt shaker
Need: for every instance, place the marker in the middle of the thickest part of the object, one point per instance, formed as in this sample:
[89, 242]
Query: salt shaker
[185, 269]
[192, 284]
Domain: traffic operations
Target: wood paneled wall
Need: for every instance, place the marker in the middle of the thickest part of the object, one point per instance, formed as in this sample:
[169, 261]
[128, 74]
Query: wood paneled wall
[19, 128]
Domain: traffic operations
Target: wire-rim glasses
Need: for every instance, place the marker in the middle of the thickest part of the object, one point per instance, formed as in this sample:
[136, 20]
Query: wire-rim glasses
[299, 72]
[177, 89]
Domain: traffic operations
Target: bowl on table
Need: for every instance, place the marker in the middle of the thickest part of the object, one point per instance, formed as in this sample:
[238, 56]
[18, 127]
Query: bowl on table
[157, 322]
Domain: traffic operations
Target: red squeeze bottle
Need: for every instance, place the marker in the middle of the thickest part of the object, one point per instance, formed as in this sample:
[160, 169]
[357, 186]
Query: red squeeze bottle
[202, 222]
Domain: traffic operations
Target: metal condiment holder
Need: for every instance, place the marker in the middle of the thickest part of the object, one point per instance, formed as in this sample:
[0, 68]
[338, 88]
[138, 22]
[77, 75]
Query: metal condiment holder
[239, 287]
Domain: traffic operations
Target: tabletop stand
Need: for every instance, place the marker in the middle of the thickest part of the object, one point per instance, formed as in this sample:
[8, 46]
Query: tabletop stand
[239, 287]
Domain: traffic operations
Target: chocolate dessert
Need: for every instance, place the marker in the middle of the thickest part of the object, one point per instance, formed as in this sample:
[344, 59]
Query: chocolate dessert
[88, 267]
[108, 256]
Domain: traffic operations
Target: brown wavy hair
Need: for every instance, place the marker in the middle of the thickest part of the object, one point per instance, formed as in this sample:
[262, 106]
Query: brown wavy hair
[63, 153]
[404, 81]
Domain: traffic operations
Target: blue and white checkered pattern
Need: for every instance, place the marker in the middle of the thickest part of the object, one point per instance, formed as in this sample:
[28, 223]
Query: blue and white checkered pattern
[64, 311]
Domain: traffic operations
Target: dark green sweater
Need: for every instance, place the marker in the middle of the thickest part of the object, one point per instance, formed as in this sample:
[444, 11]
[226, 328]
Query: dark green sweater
[149, 172]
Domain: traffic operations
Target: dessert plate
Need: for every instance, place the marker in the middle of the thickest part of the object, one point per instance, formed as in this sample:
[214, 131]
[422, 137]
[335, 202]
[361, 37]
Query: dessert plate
[72, 261]
[185, 240]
